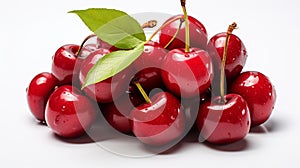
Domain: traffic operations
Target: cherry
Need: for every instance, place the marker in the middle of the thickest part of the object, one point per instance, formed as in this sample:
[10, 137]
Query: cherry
[117, 113]
[225, 118]
[222, 123]
[149, 78]
[38, 92]
[69, 113]
[258, 91]
[108, 90]
[187, 74]
[236, 55]
[197, 32]
[159, 122]
[148, 66]
[64, 63]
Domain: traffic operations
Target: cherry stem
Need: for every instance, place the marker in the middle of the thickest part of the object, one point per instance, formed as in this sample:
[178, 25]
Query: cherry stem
[144, 94]
[222, 78]
[187, 27]
[149, 24]
[83, 42]
[161, 27]
[176, 33]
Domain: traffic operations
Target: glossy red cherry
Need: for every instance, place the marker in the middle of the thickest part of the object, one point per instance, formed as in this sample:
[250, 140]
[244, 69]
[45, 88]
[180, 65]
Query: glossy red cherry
[69, 113]
[148, 66]
[236, 54]
[198, 34]
[149, 78]
[152, 56]
[65, 65]
[160, 122]
[187, 74]
[258, 91]
[108, 90]
[222, 123]
[117, 113]
[38, 92]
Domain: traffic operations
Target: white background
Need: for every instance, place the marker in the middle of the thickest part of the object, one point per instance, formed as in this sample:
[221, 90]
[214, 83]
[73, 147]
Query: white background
[31, 31]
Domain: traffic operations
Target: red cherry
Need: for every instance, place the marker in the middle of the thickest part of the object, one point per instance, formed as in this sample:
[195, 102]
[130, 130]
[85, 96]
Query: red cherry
[149, 78]
[152, 56]
[65, 65]
[69, 113]
[236, 54]
[259, 93]
[198, 34]
[38, 92]
[117, 113]
[160, 122]
[222, 123]
[148, 66]
[108, 90]
[187, 74]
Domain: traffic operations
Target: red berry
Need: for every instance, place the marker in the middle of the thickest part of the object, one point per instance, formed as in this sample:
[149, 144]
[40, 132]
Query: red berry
[108, 90]
[65, 64]
[38, 92]
[117, 113]
[160, 122]
[69, 113]
[236, 54]
[222, 123]
[187, 74]
[259, 93]
[198, 34]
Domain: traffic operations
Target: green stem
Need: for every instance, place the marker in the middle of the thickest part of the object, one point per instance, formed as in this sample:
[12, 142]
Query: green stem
[144, 94]
[164, 25]
[187, 27]
[222, 78]
[176, 33]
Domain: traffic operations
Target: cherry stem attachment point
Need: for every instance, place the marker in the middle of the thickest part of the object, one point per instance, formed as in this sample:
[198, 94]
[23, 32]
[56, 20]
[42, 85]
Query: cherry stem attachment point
[83, 42]
[222, 78]
[187, 28]
[149, 24]
[161, 27]
[144, 94]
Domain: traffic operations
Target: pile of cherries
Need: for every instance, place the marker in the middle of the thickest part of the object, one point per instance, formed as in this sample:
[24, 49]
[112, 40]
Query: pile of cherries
[178, 82]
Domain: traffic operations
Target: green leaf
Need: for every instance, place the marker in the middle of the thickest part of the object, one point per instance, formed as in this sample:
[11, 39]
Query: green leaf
[113, 26]
[111, 64]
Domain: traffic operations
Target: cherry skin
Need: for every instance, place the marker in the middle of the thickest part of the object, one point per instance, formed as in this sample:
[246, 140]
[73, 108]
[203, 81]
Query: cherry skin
[187, 74]
[148, 66]
[151, 57]
[198, 34]
[38, 92]
[69, 113]
[222, 123]
[160, 122]
[108, 90]
[117, 113]
[149, 78]
[236, 54]
[65, 64]
[258, 91]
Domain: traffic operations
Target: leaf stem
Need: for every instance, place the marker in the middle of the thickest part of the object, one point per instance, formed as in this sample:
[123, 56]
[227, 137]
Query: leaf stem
[176, 33]
[164, 25]
[144, 94]
[187, 27]
[222, 78]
